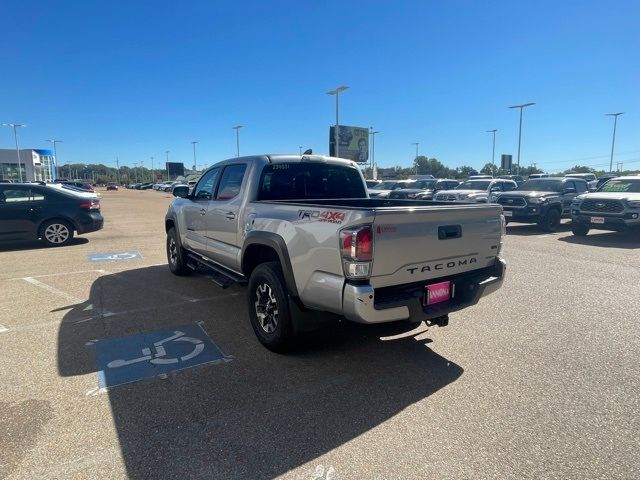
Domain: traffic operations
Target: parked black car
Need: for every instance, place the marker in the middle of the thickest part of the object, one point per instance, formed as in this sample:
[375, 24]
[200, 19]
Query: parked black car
[50, 213]
[544, 201]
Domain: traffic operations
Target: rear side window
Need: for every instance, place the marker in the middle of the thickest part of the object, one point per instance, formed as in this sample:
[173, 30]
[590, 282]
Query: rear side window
[231, 182]
[19, 195]
[508, 186]
[581, 187]
[290, 181]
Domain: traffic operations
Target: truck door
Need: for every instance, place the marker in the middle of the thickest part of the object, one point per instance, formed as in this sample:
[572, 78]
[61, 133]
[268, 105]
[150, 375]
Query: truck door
[18, 214]
[197, 211]
[223, 217]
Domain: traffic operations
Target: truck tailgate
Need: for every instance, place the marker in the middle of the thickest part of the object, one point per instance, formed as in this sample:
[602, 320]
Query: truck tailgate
[427, 242]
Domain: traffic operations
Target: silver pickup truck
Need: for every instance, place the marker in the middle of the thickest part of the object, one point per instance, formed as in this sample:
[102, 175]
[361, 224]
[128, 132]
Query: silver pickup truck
[303, 234]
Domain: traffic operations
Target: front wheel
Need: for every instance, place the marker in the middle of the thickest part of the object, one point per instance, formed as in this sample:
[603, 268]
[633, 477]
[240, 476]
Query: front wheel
[56, 233]
[550, 221]
[268, 304]
[176, 255]
[579, 229]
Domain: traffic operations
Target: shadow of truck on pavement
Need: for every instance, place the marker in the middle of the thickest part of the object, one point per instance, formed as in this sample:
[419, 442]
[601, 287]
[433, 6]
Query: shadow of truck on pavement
[259, 415]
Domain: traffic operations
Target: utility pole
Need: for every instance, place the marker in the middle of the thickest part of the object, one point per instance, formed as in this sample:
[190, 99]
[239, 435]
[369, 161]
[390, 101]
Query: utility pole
[166, 166]
[300, 148]
[613, 139]
[194, 154]
[55, 155]
[373, 133]
[153, 177]
[337, 91]
[237, 129]
[142, 170]
[117, 171]
[493, 152]
[416, 161]
[521, 107]
[15, 127]
[135, 171]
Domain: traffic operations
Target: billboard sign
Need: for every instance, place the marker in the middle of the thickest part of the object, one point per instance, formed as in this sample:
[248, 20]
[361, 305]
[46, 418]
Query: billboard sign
[175, 169]
[354, 143]
[506, 163]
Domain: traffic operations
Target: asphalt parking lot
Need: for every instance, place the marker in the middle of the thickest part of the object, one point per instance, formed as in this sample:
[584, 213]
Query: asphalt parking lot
[539, 380]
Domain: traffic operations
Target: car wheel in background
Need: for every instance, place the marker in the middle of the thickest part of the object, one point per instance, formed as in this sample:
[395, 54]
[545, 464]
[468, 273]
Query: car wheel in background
[550, 221]
[56, 233]
[579, 229]
[176, 255]
[269, 307]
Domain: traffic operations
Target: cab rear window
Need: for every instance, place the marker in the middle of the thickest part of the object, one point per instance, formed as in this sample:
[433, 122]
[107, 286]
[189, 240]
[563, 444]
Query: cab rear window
[291, 181]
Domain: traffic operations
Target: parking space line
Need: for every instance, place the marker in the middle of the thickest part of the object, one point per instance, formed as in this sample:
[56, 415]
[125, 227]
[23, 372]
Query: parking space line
[3, 329]
[59, 274]
[51, 289]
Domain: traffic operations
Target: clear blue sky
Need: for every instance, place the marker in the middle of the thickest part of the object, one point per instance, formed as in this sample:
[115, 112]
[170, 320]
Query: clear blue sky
[136, 78]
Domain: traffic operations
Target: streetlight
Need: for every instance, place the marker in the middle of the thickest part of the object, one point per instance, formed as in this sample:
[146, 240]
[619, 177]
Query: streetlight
[493, 152]
[55, 153]
[416, 162]
[167, 163]
[237, 129]
[337, 91]
[524, 105]
[15, 126]
[300, 148]
[152, 175]
[194, 153]
[135, 170]
[373, 148]
[613, 140]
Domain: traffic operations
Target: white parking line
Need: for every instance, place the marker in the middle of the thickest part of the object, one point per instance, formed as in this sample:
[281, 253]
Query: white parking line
[51, 289]
[59, 274]
[3, 329]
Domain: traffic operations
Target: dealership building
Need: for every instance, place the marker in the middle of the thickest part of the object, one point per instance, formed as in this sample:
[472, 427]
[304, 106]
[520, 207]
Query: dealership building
[36, 165]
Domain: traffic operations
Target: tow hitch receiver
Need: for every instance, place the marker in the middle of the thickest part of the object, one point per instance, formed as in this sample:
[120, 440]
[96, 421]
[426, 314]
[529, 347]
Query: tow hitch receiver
[442, 321]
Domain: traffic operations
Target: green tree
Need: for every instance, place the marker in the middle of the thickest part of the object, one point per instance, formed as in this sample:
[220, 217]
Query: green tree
[489, 169]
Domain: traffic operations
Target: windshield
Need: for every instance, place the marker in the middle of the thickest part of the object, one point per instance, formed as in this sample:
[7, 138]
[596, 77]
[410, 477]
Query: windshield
[541, 185]
[474, 185]
[423, 184]
[385, 186]
[622, 186]
[289, 181]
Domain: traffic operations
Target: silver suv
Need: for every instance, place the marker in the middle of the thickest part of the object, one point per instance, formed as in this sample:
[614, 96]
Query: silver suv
[614, 206]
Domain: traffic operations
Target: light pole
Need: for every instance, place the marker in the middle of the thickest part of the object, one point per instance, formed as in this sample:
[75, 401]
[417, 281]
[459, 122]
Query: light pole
[15, 127]
[142, 171]
[194, 153]
[135, 171]
[152, 175]
[117, 170]
[521, 107]
[613, 140]
[237, 129]
[373, 149]
[416, 161]
[166, 166]
[300, 148]
[493, 151]
[55, 153]
[337, 91]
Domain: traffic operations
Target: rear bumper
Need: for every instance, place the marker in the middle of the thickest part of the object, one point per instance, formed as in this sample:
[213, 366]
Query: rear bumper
[364, 304]
[89, 222]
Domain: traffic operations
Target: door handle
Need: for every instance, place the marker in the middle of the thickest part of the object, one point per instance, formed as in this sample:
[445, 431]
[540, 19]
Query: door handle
[230, 215]
[203, 211]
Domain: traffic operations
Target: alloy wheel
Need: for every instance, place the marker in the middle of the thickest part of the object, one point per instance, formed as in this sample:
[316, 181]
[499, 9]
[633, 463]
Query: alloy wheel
[266, 308]
[56, 233]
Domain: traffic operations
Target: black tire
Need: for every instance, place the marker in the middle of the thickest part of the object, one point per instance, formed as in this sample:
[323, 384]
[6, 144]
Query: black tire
[267, 296]
[176, 256]
[579, 229]
[56, 233]
[550, 221]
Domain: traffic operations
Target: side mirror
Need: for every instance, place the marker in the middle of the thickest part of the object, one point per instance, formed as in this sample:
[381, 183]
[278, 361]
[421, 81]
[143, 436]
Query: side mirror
[495, 189]
[570, 190]
[181, 191]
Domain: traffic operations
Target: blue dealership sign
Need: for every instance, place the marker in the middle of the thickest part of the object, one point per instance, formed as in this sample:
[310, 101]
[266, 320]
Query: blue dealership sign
[129, 359]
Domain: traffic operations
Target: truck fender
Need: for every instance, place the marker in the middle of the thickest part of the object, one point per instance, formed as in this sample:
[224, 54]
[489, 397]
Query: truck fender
[277, 244]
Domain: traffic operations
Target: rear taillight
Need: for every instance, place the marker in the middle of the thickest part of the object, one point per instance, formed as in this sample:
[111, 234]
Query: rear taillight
[356, 248]
[91, 205]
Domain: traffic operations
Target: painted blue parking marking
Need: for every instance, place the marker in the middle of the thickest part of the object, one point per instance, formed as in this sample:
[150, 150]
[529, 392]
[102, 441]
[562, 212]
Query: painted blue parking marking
[129, 359]
[114, 257]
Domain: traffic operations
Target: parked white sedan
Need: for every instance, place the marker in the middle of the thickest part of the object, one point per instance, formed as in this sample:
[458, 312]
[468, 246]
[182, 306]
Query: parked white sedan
[475, 191]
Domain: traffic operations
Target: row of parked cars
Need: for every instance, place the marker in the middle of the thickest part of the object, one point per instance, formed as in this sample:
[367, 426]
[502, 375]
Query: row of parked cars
[611, 203]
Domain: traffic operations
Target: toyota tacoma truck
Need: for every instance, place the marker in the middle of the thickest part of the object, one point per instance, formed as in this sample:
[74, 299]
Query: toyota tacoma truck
[615, 206]
[545, 201]
[310, 244]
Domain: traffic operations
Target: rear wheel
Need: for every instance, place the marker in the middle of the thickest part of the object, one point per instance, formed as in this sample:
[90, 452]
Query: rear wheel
[579, 229]
[550, 221]
[56, 233]
[269, 311]
[176, 255]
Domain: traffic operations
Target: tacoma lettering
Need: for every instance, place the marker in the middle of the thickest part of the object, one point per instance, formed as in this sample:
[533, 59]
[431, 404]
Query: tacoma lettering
[442, 266]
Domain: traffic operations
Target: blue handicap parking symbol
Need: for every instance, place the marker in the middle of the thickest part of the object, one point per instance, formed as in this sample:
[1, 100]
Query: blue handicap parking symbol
[129, 359]
[114, 257]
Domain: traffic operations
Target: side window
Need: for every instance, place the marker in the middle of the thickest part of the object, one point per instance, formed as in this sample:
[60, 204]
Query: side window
[497, 185]
[231, 182]
[204, 188]
[581, 187]
[14, 195]
[570, 184]
[508, 186]
[37, 196]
